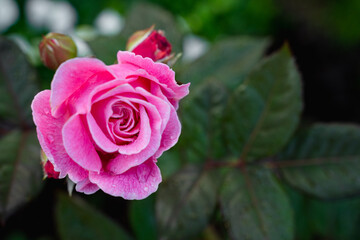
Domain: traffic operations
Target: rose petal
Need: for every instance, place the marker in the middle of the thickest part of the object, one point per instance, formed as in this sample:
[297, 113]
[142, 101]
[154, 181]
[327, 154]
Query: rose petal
[160, 71]
[71, 76]
[87, 187]
[142, 140]
[136, 183]
[49, 135]
[79, 146]
[102, 141]
[172, 131]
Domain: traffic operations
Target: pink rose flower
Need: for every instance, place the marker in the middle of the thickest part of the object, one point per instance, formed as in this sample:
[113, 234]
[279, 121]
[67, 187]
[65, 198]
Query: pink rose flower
[105, 126]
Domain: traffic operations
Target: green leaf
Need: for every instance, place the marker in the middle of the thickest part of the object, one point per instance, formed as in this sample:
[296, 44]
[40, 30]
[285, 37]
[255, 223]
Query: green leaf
[78, 220]
[325, 219]
[185, 203]
[334, 219]
[255, 206]
[323, 160]
[17, 85]
[212, 78]
[201, 115]
[20, 170]
[143, 15]
[106, 48]
[169, 162]
[142, 218]
[264, 111]
[228, 62]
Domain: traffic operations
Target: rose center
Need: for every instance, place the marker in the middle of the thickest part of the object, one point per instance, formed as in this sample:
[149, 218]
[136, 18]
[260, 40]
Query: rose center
[124, 122]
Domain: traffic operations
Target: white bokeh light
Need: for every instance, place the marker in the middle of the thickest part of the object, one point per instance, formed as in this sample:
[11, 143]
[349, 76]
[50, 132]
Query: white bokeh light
[109, 22]
[9, 13]
[194, 47]
[56, 16]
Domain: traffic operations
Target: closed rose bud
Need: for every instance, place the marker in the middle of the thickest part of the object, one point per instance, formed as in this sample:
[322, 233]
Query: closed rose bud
[56, 48]
[149, 43]
[48, 167]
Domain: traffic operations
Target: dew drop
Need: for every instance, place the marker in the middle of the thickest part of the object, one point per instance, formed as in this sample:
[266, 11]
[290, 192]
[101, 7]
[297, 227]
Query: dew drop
[46, 110]
[146, 189]
[50, 138]
[143, 172]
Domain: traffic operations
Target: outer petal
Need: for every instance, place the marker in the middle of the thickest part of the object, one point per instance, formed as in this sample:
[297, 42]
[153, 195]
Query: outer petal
[49, 135]
[70, 77]
[136, 183]
[86, 187]
[172, 130]
[159, 70]
[171, 133]
[79, 146]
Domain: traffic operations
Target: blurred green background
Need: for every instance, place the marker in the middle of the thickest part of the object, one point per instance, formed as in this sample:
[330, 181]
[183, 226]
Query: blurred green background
[324, 37]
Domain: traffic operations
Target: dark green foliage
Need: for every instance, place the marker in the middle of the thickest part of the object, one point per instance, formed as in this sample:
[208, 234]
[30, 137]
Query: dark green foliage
[264, 110]
[79, 221]
[186, 202]
[142, 219]
[255, 207]
[17, 85]
[20, 170]
[323, 160]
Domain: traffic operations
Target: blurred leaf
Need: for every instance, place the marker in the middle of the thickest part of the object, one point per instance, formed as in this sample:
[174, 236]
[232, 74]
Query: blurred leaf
[169, 162]
[264, 111]
[79, 221]
[17, 84]
[212, 78]
[20, 170]
[213, 18]
[334, 220]
[185, 203]
[255, 206]
[142, 218]
[143, 15]
[323, 160]
[228, 62]
[201, 114]
[106, 48]
[331, 220]
[303, 229]
[336, 19]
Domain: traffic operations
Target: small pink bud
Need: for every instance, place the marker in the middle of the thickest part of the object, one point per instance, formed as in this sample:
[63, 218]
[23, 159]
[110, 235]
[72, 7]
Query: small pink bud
[149, 43]
[56, 48]
[48, 167]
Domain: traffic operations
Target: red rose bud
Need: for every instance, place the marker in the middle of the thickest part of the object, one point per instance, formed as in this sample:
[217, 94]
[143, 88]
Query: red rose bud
[149, 43]
[56, 48]
[48, 167]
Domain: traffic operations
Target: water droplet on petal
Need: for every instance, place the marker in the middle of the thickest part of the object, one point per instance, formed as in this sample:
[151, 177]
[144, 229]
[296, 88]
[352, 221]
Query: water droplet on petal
[146, 189]
[46, 110]
[50, 138]
[143, 172]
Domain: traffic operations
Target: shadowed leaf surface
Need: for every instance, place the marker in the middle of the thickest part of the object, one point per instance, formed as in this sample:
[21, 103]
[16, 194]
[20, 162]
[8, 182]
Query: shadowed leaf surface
[228, 62]
[17, 85]
[255, 206]
[323, 160]
[79, 221]
[20, 170]
[264, 110]
[185, 203]
[142, 218]
[212, 79]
